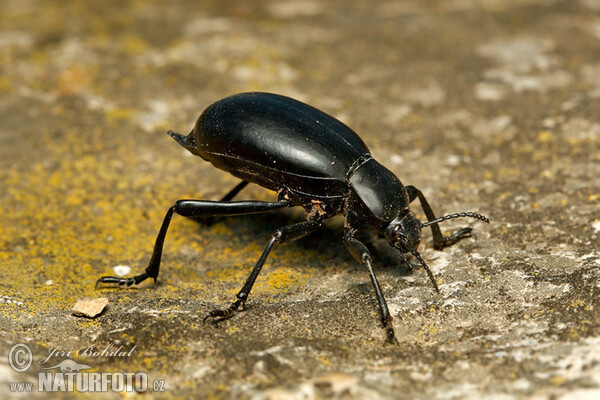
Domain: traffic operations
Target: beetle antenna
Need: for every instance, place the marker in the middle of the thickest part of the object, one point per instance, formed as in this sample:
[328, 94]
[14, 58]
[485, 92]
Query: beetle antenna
[422, 262]
[457, 215]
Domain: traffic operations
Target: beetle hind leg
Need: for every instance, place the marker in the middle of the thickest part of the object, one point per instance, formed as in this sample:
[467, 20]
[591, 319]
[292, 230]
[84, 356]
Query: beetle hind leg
[228, 197]
[193, 209]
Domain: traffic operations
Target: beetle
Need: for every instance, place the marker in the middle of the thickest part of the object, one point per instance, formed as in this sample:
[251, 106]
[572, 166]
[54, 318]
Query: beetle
[312, 160]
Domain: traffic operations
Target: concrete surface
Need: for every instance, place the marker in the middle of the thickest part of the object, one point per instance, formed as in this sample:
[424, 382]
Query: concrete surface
[486, 105]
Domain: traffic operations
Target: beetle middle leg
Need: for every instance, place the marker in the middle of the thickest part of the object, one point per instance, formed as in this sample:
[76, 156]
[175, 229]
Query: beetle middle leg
[360, 252]
[282, 235]
[193, 209]
[439, 241]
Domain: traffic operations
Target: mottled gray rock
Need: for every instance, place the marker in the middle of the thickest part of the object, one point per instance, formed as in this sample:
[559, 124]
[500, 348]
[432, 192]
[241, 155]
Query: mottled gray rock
[485, 105]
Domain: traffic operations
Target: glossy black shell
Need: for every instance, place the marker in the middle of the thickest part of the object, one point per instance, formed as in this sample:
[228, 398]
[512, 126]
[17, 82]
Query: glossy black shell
[278, 142]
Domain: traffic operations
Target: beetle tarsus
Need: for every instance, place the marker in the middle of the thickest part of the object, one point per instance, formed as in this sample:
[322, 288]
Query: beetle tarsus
[389, 331]
[221, 315]
[124, 281]
[390, 336]
[457, 236]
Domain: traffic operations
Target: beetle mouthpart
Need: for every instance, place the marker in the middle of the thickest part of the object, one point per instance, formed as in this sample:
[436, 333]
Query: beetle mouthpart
[422, 262]
[457, 215]
[185, 141]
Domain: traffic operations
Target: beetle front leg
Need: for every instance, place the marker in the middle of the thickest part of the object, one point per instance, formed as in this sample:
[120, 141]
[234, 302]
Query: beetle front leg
[360, 252]
[439, 240]
[282, 235]
[192, 209]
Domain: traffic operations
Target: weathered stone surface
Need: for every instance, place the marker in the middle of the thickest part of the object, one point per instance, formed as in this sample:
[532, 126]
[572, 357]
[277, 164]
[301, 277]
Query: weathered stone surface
[485, 105]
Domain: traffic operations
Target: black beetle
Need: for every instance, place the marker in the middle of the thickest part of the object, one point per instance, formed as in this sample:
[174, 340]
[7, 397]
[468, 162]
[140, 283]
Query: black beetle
[311, 160]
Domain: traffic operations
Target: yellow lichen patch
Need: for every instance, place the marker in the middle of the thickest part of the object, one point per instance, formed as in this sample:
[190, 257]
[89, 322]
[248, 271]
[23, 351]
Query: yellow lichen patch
[5, 84]
[71, 217]
[573, 335]
[133, 44]
[221, 228]
[228, 274]
[544, 136]
[558, 380]
[283, 279]
[576, 303]
[119, 113]
[74, 80]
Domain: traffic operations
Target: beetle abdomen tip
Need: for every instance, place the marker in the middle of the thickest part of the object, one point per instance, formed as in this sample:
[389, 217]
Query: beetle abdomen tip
[185, 141]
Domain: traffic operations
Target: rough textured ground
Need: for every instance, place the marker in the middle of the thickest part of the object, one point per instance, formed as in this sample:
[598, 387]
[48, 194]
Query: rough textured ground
[488, 105]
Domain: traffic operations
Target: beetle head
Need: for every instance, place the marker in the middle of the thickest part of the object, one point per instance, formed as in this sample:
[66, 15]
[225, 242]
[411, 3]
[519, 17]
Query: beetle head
[404, 232]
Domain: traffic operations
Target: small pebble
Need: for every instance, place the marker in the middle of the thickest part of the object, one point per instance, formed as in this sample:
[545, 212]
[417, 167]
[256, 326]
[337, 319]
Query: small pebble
[121, 270]
[89, 308]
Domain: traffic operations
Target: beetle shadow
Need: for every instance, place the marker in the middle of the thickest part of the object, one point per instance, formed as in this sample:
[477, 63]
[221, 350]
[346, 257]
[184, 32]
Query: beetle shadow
[327, 241]
[259, 227]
